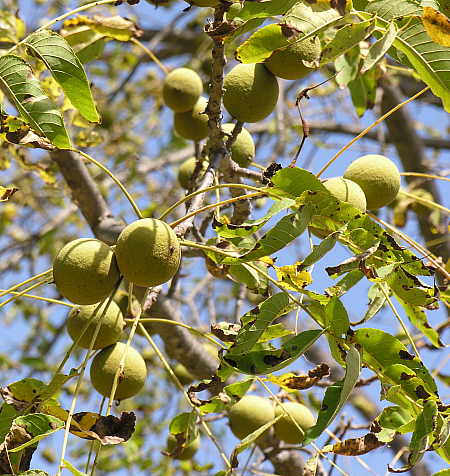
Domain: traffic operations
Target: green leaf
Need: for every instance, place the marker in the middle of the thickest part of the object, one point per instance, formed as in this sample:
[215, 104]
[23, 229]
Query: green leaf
[336, 317]
[363, 90]
[419, 319]
[87, 43]
[235, 391]
[263, 362]
[7, 415]
[281, 234]
[394, 420]
[381, 351]
[72, 469]
[34, 472]
[430, 60]
[251, 226]
[12, 28]
[261, 44]
[320, 250]
[38, 426]
[24, 91]
[379, 48]
[345, 284]
[389, 10]
[293, 181]
[256, 321]
[346, 38]
[182, 423]
[66, 68]
[335, 396]
[377, 298]
[420, 440]
[265, 9]
[442, 472]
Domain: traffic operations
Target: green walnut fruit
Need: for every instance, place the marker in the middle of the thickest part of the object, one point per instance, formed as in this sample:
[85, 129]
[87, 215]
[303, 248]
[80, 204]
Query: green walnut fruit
[104, 367]
[188, 451]
[248, 414]
[187, 169]
[181, 89]
[288, 63]
[121, 299]
[192, 124]
[379, 178]
[183, 374]
[347, 191]
[421, 208]
[251, 92]
[148, 252]
[243, 148]
[285, 428]
[85, 271]
[111, 326]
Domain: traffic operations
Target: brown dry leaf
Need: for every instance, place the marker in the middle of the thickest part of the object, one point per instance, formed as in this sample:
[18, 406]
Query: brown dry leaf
[291, 381]
[7, 192]
[437, 26]
[355, 446]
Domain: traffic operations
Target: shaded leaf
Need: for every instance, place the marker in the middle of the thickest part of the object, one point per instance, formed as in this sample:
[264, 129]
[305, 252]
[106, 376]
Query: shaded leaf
[24, 91]
[379, 48]
[346, 38]
[335, 396]
[66, 68]
[256, 321]
[293, 181]
[336, 317]
[354, 446]
[265, 9]
[263, 362]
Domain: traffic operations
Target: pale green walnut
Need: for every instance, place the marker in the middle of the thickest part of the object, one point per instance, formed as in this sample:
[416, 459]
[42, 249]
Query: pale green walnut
[248, 414]
[181, 89]
[379, 178]
[105, 364]
[251, 92]
[186, 453]
[187, 169]
[148, 252]
[285, 428]
[111, 326]
[347, 191]
[288, 63]
[85, 271]
[419, 207]
[243, 148]
[192, 124]
[183, 374]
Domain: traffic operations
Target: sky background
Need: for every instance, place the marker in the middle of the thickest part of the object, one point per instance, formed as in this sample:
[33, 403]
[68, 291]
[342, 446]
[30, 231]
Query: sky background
[13, 327]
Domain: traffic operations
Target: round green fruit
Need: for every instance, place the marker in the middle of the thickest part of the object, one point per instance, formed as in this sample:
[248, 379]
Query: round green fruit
[243, 148]
[85, 271]
[183, 374]
[248, 414]
[181, 89]
[346, 191]
[379, 178]
[104, 367]
[186, 453]
[111, 326]
[148, 252]
[251, 92]
[285, 428]
[287, 63]
[121, 299]
[192, 124]
[187, 169]
[421, 208]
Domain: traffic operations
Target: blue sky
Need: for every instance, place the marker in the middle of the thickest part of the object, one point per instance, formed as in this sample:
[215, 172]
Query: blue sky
[354, 301]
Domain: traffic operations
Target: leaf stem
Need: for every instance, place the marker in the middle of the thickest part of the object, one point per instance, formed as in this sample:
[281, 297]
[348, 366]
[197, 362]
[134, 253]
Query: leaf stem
[150, 54]
[40, 298]
[430, 203]
[214, 205]
[367, 129]
[114, 178]
[33, 278]
[430, 176]
[208, 189]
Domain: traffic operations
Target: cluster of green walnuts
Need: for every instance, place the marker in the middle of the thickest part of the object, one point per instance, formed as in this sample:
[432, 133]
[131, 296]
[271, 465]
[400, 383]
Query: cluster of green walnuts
[86, 271]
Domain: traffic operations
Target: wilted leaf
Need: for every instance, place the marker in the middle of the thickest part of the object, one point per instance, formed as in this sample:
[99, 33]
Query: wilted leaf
[7, 192]
[293, 276]
[355, 446]
[291, 381]
[437, 26]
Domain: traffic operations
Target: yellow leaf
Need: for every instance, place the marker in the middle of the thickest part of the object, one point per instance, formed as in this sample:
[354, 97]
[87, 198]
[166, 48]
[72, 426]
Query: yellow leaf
[437, 26]
[293, 276]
